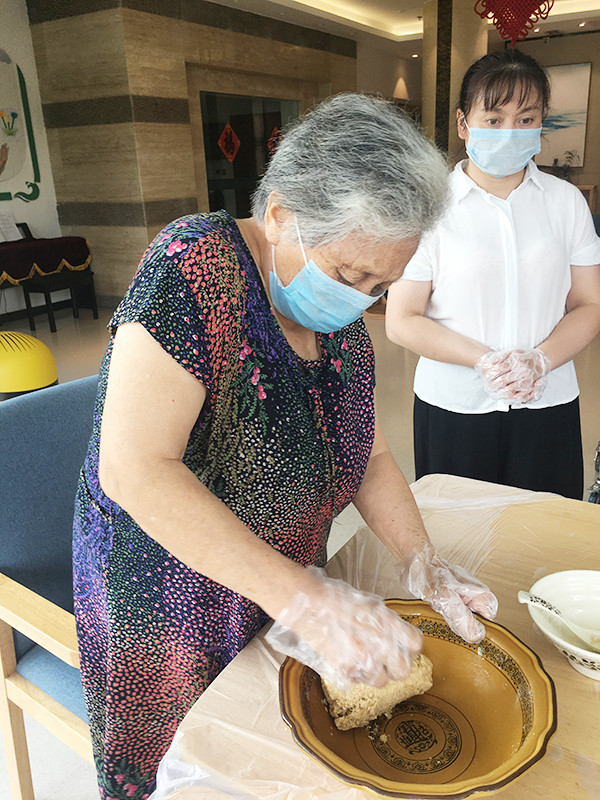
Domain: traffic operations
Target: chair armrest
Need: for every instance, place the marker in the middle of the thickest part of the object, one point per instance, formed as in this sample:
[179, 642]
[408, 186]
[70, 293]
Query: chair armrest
[44, 622]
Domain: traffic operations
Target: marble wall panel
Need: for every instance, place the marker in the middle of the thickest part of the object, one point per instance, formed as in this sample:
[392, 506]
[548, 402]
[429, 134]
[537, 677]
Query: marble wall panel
[165, 157]
[161, 212]
[116, 252]
[154, 53]
[244, 53]
[342, 71]
[158, 48]
[96, 163]
[81, 57]
[102, 213]
[208, 79]
[153, 230]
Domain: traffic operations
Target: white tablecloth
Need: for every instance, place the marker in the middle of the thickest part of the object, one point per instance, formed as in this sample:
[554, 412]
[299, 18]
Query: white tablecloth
[233, 742]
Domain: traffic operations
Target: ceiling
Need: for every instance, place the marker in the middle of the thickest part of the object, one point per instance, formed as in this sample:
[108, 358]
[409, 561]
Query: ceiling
[401, 20]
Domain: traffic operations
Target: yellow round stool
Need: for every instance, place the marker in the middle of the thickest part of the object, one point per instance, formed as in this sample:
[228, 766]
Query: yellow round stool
[26, 364]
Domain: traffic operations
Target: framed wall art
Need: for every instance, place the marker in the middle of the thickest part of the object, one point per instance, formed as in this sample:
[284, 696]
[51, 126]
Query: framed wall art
[563, 136]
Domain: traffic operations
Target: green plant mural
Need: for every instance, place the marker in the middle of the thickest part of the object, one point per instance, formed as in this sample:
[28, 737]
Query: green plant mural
[17, 143]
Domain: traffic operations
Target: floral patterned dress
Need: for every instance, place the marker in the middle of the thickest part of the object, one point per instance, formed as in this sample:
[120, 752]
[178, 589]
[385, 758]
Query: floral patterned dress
[283, 442]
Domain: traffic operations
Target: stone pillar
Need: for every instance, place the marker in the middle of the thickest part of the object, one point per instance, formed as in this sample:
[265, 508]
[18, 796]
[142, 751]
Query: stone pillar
[453, 37]
[429, 66]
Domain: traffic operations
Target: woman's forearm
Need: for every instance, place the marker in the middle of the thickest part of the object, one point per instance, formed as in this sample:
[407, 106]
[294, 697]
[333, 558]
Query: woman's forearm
[572, 334]
[173, 507]
[388, 507]
[428, 338]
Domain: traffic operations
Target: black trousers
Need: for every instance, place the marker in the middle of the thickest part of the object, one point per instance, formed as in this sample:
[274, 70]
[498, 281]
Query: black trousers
[538, 449]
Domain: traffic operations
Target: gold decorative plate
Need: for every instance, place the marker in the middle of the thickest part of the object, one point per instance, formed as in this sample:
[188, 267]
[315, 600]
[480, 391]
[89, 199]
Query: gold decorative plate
[487, 718]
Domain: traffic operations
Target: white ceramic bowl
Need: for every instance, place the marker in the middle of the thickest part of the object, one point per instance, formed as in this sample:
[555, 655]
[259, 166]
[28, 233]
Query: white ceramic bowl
[577, 594]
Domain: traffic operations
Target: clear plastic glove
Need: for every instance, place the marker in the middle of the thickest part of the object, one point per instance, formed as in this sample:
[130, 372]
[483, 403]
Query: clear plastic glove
[345, 635]
[518, 376]
[450, 590]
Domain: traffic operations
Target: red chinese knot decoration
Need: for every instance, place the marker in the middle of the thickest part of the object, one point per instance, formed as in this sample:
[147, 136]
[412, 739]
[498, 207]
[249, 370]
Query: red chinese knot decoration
[513, 18]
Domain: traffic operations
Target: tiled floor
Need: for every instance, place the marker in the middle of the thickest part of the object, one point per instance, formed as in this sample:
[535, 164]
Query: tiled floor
[78, 347]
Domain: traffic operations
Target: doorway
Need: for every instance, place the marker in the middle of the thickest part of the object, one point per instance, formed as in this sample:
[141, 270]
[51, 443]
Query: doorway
[240, 134]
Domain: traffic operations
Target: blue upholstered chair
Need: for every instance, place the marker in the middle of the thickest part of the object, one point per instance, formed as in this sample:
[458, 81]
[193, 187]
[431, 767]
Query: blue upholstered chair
[43, 441]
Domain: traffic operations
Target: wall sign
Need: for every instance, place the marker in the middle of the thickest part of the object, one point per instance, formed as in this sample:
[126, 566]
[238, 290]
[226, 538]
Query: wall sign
[18, 156]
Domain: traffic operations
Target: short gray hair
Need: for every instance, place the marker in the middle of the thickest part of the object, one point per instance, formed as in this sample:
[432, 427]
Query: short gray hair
[356, 165]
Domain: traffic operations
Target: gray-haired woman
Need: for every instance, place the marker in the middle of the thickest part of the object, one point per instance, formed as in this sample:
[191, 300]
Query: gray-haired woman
[235, 419]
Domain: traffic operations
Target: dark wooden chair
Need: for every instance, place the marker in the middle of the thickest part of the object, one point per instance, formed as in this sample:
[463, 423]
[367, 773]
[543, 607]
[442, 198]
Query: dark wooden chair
[80, 284]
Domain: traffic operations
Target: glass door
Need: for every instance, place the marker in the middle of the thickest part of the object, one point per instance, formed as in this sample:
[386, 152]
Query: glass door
[240, 133]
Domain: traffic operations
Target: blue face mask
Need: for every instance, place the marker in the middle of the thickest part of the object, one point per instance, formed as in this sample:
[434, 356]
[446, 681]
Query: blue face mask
[503, 151]
[316, 301]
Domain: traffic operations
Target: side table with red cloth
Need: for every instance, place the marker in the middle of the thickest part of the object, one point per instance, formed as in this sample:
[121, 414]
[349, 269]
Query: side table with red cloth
[27, 258]
[46, 266]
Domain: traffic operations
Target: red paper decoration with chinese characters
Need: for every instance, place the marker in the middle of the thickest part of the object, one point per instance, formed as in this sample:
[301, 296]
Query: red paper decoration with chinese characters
[274, 140]
[513, 18]
[229, 143]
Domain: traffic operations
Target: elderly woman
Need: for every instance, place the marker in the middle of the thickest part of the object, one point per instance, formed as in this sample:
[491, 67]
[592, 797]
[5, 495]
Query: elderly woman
[235, 419]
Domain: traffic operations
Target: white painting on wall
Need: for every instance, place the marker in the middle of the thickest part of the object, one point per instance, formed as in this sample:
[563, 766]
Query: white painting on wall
[563, 137]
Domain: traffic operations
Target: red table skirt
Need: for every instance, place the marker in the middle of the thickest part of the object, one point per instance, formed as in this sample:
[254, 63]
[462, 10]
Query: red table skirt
[26, 258]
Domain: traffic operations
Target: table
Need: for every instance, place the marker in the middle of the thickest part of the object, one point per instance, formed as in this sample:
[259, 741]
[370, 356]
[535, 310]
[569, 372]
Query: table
[46, 266]
[27, 258]
[233, 742]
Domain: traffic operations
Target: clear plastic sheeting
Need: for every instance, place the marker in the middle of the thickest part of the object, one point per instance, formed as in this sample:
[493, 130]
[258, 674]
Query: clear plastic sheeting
[234, 744]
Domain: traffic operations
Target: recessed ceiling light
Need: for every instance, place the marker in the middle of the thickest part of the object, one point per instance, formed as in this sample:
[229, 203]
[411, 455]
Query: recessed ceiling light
[415, 55]
[581, 24]
[536, 30]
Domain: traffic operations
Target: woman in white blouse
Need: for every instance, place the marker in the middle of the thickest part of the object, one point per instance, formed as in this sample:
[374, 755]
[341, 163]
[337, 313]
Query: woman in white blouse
[500, 297]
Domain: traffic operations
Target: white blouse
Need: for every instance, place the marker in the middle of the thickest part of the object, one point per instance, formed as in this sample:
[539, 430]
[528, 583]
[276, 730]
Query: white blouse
[500, 271]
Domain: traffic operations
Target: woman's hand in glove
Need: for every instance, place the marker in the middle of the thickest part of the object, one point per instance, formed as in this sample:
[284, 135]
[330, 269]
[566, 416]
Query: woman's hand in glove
[345, 635]
[450, 590]
[518, 376]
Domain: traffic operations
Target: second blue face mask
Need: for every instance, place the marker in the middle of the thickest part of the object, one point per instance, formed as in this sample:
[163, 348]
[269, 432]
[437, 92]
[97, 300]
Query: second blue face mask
[315, 300]
[500, 152]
